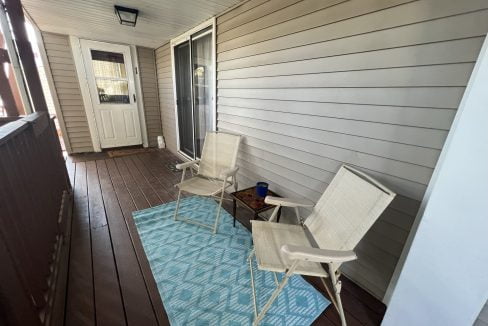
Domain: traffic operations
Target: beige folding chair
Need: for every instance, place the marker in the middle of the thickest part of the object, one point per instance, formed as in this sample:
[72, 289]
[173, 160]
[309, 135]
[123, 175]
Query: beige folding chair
[347, 209]
[216, 171]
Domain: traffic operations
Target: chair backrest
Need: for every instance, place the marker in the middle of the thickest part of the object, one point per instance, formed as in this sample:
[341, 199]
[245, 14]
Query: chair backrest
[219, 153]
[349, 206]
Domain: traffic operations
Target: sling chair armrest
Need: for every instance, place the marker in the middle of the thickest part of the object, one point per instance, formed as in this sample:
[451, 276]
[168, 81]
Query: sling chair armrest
[229, 173]
[185, 165]
[318, 255]
[288, 202]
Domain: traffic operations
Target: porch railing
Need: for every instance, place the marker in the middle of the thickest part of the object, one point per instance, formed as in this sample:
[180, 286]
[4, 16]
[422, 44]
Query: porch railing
[5, 120]
[35, 201]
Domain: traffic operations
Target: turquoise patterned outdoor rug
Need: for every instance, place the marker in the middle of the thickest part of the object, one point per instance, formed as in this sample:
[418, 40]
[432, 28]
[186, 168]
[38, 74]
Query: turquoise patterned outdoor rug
[204, 279]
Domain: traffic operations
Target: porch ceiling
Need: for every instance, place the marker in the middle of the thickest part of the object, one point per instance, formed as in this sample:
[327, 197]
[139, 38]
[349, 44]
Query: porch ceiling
[158, 21]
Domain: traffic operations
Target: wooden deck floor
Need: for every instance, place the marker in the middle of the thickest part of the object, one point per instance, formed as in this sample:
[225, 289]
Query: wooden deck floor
[110, 282]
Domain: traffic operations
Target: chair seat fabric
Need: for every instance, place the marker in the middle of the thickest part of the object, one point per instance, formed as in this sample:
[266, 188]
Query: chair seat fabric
[201, 186]
[268, 239]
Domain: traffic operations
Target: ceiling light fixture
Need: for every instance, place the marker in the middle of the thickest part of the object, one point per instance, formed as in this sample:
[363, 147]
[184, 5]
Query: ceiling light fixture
[126, 16]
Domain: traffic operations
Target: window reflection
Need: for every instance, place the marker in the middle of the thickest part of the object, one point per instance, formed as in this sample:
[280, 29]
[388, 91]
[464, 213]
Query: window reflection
[110, 77]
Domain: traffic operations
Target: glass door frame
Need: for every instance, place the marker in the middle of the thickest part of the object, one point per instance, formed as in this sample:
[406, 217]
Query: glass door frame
[187, 37]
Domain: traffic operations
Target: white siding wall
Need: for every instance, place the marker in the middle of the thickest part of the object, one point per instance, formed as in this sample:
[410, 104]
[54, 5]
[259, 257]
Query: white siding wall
[149, 85]
[166, 95]
[63, 70]
[312, 84]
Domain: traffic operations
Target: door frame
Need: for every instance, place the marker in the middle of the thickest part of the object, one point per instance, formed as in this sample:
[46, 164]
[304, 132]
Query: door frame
[177, 41]
[85, 91]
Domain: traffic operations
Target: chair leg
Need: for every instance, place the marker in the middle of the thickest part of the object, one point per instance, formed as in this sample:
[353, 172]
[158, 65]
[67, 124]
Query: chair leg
[217, 218]
[330, 293]
[249, 260]
[273, 297]
[337, 284]
[177, 205]
[259, 316]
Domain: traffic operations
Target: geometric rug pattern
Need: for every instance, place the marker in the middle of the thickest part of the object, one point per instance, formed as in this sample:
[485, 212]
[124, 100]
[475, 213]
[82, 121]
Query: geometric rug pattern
[203, 278]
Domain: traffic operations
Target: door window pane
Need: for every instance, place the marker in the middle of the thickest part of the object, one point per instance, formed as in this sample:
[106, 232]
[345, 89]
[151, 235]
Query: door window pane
[112, 91]
[110, 77]
[108, 64]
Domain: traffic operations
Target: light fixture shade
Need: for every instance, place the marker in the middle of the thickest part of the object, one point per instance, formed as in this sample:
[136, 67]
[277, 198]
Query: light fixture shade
[126, 16]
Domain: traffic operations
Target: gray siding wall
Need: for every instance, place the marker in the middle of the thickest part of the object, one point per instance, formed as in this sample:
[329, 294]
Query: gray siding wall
[149, 85]
[482, 319]
[166, 95]
[61, 63]
[313, 84]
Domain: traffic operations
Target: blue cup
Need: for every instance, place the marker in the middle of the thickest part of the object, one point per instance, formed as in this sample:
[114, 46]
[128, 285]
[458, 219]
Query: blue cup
[261, 189]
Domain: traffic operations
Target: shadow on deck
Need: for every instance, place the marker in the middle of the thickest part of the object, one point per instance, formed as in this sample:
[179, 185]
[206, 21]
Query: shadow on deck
[110, 281]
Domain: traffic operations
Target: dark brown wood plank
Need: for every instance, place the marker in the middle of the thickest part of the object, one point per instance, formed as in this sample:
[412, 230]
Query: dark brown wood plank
[108, 299]
[167, 157]
[125, 199]
[151, 196]
[156, 166]
[163, 195]
[137, 195]
[137, 303]
[322, 320]
[332, 316]
[364, 297]
[80, 306]
[87, 157]
[331, 313]
[160, 162]
[127, 205]
[356, 308]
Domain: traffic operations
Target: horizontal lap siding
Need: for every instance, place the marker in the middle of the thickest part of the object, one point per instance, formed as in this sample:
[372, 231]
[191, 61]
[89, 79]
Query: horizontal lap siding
[166, 95]
[313, 84]
[63, 70]
[149, 85]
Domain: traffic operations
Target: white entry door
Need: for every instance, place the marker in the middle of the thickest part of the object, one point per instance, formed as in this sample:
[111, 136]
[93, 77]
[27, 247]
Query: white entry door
[112, 90]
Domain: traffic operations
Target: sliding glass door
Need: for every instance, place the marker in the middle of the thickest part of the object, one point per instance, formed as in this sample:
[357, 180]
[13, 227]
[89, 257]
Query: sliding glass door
[194, 79]
[184, 98]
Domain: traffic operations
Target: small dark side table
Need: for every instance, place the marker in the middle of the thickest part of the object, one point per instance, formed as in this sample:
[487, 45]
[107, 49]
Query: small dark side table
[248, 199]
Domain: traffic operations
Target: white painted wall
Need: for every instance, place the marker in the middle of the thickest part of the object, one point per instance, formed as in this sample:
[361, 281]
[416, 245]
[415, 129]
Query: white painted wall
[445, 277]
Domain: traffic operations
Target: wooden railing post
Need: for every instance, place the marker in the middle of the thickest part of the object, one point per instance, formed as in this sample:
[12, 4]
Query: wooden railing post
[6, 93]
[26, 54]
